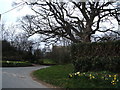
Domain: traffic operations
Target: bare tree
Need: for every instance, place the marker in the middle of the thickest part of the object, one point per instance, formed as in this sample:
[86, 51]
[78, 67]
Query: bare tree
[22, 43]
[76, 21]
[11, 29]
[3, 30]
[8, 32]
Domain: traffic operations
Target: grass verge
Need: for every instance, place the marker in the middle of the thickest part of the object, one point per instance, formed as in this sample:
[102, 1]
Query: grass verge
[59, 75]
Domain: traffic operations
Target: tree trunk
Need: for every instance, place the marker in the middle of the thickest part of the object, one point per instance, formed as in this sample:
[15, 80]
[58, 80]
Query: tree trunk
[86, 38]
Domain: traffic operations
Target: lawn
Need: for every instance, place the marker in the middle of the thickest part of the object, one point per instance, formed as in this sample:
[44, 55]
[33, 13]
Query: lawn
[63, 76]
[47, 62]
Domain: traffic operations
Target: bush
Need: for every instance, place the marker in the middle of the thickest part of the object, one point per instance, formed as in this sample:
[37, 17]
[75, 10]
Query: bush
[85, 64]
[82, 64]
[95, 49]
[61, 54]
[96, 56]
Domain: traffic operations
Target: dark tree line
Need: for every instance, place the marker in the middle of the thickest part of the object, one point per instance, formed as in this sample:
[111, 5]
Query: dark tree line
[17, 46]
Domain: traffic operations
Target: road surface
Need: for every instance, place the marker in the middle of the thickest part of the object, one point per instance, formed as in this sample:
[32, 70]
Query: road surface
[19, 77]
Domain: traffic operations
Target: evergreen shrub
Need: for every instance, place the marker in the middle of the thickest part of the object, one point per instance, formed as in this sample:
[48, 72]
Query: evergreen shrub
[96, 56]
[85, 64]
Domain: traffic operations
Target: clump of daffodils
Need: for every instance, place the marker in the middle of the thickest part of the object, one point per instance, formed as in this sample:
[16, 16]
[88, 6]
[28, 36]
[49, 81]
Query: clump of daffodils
[113, 79]
[91, 76]
[74, 74]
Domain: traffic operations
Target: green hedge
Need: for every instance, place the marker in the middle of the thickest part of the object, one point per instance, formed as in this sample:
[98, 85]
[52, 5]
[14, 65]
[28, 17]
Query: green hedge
[95, 49]
[84, 64]
[96, 56]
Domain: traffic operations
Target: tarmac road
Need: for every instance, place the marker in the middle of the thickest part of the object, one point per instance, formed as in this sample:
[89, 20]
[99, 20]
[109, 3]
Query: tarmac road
[19, 77]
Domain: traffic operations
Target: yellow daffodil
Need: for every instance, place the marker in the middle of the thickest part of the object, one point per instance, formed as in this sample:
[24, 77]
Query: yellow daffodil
[90, 75]
[115, 77]
[78, 72]
[113, 83]
[70, 75]
[93, 76]
[110, 76]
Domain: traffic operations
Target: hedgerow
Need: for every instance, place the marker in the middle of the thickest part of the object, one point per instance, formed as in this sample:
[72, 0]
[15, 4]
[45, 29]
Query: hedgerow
[96, 56]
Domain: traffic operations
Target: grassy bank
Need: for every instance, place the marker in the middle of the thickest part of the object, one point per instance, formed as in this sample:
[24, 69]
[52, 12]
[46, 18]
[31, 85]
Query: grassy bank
[63, 76]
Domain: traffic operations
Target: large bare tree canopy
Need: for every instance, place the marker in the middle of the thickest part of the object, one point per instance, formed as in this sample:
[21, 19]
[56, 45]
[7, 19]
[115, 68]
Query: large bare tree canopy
[76, 21]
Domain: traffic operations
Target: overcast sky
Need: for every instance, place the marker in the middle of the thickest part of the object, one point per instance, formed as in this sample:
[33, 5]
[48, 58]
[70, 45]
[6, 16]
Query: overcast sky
[11, 16]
